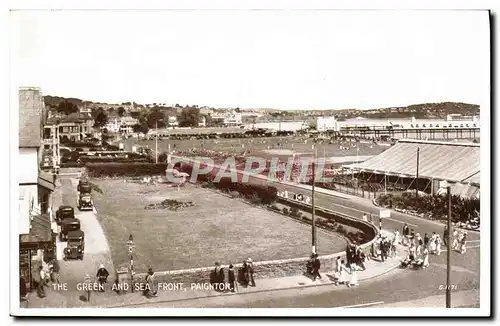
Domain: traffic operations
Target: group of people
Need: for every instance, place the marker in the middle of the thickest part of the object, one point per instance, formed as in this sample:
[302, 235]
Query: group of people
[245, 276]
[42, 278]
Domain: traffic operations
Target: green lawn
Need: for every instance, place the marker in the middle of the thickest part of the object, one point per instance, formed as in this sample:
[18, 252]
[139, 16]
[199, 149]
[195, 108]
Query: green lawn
[217, 228]
[258, 146]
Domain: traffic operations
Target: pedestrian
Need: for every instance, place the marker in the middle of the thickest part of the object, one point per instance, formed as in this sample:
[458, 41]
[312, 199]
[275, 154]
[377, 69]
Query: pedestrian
[432, 244]
[243, 274]
[354, 276]
[360, 254]
[394, 247]
[426, 240]
[316, 267]
[217, 277]
[150, 290]
[338, 268]
[412, 236]
[102, 277]
[438, 245]
[397, 237]
[23, 290]
[54, 272]
[463, 243]
[426, 258]
[40, 282]
[406, 233]
[343, 273]
[445, 235]
[455, 240]
[412, 252]
[251, 271]
[419, 243]
[231, 278]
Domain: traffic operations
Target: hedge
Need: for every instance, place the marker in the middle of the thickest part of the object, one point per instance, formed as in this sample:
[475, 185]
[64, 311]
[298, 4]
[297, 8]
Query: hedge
[99, 170]
[261, 193]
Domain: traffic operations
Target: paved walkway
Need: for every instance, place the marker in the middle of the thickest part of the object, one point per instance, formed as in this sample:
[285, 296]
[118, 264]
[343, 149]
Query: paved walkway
[110, 299]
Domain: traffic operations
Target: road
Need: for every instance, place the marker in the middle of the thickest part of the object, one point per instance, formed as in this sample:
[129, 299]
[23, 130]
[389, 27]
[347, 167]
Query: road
[393, 287]
[96, 246]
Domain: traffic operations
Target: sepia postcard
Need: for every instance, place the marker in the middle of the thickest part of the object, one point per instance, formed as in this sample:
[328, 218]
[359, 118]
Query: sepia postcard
[275, 162]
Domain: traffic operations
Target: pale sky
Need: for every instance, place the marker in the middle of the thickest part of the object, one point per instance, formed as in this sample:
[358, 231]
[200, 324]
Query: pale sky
[255, 59]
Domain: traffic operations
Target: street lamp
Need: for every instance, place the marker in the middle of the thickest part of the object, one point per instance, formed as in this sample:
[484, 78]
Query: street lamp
[448, 249]
[131, 246]
[312, 202]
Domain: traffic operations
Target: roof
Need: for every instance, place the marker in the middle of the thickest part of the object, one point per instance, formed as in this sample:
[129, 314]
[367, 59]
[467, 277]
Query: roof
[40, 230]
[454, 162]
[76, 117]
[30, 117]
[46, 180]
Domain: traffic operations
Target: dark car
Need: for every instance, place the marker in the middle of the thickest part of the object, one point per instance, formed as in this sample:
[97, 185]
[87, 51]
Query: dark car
[84, 187]
[64, 212]
[75, 247]
[85, 202]
[68, 225]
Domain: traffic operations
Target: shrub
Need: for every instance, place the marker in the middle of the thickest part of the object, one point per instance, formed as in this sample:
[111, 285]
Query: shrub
[340, 229]
[294, 211]
[234, 194]
[98, 170]
[285, 210]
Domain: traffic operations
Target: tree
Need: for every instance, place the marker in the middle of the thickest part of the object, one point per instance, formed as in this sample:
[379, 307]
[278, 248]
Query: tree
[189, 117]
[141, 127]
[100, 119]
[67, 107]
[121, 111]
[154, 117]
[135, 115]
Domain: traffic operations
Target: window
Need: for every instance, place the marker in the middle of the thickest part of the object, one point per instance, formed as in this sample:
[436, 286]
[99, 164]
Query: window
[416, 126]
[430, 125]
[450, 125]
[437, 126]
[423, 125]
[467, 125]
[461, 126]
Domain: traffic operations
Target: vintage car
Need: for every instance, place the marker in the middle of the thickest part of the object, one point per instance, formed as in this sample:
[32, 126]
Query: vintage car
[84, 187]
[68, 225]
[64, 212]
[75, 247]
[85, 202]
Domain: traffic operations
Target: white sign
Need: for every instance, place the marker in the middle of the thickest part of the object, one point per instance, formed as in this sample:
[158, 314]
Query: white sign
[385, 213]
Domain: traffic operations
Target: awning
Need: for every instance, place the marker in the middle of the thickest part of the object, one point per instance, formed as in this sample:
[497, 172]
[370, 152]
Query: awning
[454, 162]
[40, 235]
[46, 180]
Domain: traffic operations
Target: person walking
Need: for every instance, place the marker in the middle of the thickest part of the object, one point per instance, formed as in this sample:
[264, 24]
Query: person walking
[54, 272]
[338, 268]
[354, 276]
[40, 280]
[251, 271]
[343, 273]
[419, 244]
[406, 233]
[455, 240]
[425, 253]
[150, 290]
[426, 240]
[432, 244]
[316, 266]
[397, 237]
[463, 242]
[438, 245]
[231, 278]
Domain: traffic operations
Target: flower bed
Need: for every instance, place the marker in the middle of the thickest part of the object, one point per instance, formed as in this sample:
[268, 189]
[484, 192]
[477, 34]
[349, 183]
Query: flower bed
[464, 211]
[170, 204]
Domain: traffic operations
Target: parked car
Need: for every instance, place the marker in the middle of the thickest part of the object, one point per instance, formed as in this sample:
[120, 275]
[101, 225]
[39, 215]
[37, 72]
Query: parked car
[85, 202]
[64, 212]
[75, 247]
[68, 225]
[84, 187]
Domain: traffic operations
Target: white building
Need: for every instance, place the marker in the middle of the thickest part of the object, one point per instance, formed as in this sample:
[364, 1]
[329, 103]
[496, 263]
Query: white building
[122, 125]
[172, 121]
[35, 186]
[327, 124]
[228, 118]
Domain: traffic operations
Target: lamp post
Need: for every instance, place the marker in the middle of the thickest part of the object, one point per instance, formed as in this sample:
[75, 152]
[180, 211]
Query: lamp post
[418, 166]
[448, 251]
[312, 203]
[131, 246]
[156, 142]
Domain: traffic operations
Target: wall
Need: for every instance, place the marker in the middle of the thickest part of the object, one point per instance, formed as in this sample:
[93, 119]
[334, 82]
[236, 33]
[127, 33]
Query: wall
[27, 195]
[27, 163]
